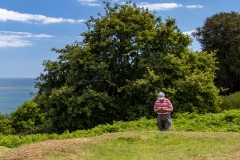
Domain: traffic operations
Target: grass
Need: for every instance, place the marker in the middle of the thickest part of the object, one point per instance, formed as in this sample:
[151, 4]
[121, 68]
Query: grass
[213, 136]
[135, 145]
[227, 121]
[4, 151]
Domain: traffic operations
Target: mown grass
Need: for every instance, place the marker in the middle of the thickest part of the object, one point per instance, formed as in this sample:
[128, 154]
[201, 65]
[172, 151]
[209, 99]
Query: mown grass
[4, 151]
[167, 145]
[136, 145]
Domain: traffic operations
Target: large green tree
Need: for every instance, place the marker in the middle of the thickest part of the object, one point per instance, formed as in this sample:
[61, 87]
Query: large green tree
[125, 58]
[221, 32]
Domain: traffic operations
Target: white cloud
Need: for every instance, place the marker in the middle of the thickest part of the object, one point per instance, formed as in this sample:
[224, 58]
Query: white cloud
[159, 6]
[189, 33]
[194, 6]
[19, 39]
[6, 15]
[89, 2]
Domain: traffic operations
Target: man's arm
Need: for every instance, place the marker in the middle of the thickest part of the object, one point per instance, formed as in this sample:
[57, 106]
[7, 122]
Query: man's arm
[170, 107]
[167, 109]
[155, 108]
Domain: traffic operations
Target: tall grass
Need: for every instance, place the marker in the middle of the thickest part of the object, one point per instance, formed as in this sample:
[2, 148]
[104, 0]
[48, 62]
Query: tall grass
[226, 121]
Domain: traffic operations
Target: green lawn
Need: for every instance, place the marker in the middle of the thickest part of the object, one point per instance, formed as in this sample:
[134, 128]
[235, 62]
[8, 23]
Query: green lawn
[138, 145]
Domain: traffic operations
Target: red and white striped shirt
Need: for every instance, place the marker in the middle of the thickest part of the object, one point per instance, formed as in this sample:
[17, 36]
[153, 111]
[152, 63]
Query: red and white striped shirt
[165, 104]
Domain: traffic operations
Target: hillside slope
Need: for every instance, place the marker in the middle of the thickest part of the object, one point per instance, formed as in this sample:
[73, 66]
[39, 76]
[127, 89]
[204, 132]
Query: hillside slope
[133, 145]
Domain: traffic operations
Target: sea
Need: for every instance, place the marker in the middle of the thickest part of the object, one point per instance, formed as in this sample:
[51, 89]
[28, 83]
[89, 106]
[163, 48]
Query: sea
[13, 93]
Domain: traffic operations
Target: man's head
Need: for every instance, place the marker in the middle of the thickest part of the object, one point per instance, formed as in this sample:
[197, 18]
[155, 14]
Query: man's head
[161, 96]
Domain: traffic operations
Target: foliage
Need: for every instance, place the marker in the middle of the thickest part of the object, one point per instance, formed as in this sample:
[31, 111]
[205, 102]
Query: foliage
[188, 81]
[27, 118]
[126, 57]
[227, 121]
[220, 32]
[5, 125]
[231, 101]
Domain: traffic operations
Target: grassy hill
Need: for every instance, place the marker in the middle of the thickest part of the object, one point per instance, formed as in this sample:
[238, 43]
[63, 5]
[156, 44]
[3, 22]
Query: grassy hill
[193, 136]
[138, 145]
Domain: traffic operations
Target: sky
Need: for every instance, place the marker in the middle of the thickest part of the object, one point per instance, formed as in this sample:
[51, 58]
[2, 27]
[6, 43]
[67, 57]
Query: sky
[29, 29]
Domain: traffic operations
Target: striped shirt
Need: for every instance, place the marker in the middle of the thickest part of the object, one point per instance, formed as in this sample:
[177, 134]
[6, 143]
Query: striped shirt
[165, 104]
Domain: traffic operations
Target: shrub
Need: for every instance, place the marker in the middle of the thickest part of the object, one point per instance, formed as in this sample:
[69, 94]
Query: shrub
[27, 118]
[231, 101]
[5, 125]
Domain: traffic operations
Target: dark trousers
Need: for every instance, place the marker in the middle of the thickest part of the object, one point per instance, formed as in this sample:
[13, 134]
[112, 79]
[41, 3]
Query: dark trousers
[164, 122]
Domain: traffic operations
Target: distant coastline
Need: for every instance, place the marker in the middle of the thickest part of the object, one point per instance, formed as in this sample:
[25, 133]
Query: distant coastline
[14, 91]
[17, 82]
[17, 87]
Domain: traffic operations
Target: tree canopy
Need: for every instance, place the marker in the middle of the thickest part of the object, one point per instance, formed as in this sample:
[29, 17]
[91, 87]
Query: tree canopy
[221, 33]
[126, 57]
[27, 118]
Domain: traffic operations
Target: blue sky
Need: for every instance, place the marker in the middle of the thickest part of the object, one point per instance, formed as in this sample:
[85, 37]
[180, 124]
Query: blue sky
[30, 28]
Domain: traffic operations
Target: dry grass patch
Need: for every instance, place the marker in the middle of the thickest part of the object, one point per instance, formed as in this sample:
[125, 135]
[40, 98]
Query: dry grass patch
[4, 151]
[42, 150]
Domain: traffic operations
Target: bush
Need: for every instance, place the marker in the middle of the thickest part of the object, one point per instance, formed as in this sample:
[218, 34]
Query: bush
[211, 122]
[231, 101]
[5, 125]
[27, 118]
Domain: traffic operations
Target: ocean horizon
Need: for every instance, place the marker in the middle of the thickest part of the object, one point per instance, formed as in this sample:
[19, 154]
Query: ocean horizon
[17, 82]
[14, 91]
